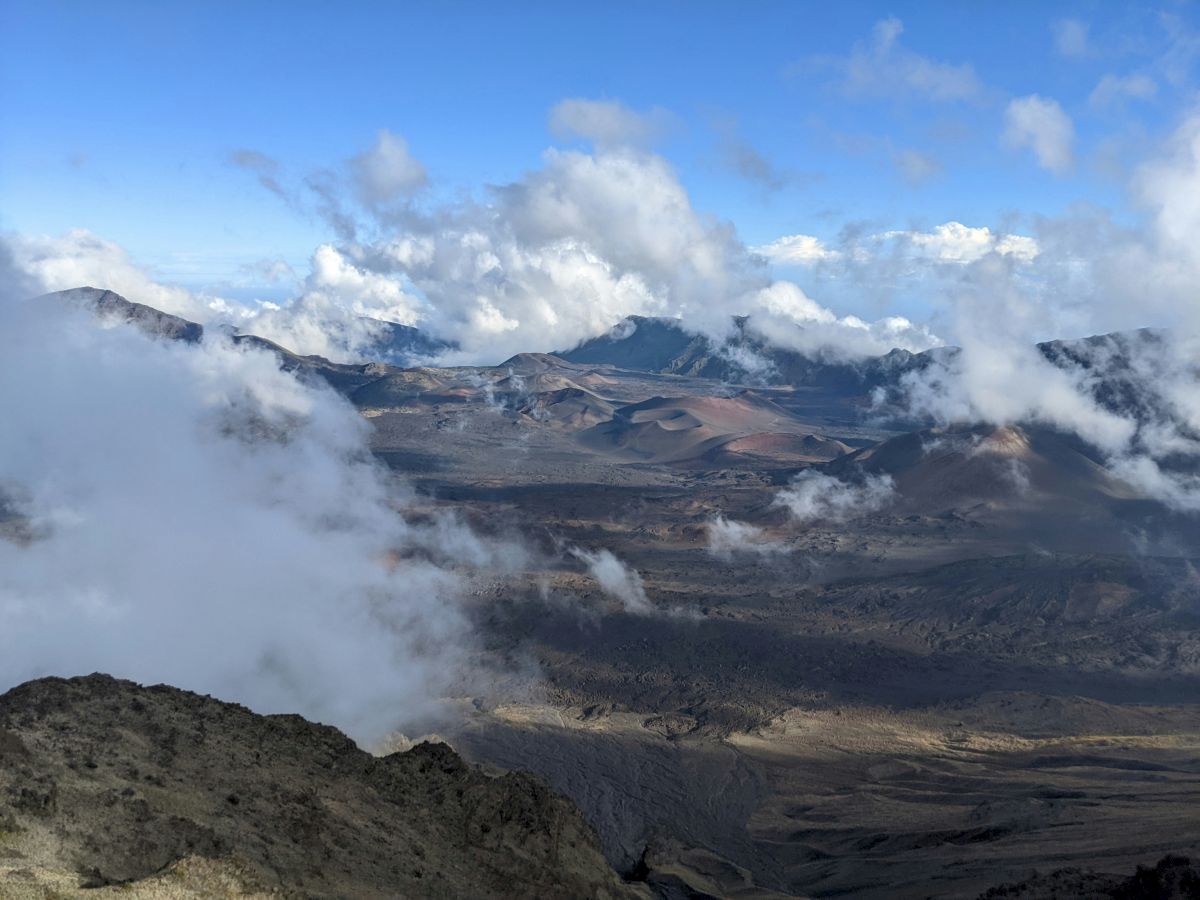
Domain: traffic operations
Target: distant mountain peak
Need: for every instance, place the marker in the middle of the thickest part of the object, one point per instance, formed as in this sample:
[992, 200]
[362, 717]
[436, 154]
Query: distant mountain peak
[111, 305]
[407, 345]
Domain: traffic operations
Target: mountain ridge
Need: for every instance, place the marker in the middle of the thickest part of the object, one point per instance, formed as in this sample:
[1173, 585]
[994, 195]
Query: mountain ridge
[659, 345]
[135, 782]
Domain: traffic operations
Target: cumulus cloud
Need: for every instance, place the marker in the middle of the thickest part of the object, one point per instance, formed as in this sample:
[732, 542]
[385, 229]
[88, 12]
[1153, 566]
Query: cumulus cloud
[202, 518]
[796, 250]
[1039, 124]
[1144, 439]
[328, 191]
[570, 249]
[815, 496]
[617, 580]
[1004, 382]
[339, 312]
[550, 259]
[1132, 398]
[1170, 187]
[384, 179]
[786, 317]
[80, 258]
[882, 67]
[607, 123]
[336, 314]
[877, 259]
[574, 247]
[953, 242]
[387, 172]
[729, 537]
[560, 257]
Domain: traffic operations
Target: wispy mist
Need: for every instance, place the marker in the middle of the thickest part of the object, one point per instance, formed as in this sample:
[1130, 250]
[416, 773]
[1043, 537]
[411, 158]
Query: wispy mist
[813, 495]
[191, 514]
[728, 538]
[616, 579]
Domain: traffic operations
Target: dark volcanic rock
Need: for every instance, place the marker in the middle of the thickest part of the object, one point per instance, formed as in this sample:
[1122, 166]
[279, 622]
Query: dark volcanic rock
[1112, 366]
[665, 346]
[405, 345]
[130, 780]
[342, 377]
[641, 343]
[110, 305]
[1172, 878]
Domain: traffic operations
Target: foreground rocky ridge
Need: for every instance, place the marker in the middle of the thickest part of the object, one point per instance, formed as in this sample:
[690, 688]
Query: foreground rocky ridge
[167, 793]
[1171, 878]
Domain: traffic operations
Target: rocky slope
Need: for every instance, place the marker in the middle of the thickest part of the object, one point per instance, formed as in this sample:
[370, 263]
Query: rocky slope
[112, 306]
[1114, 367]
[397, 345]
[662, 345]
[1171, 878]
[105, 784]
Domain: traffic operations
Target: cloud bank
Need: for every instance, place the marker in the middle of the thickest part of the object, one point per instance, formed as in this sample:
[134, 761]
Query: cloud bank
[1131, 397]
[543, 262]
[192, 514]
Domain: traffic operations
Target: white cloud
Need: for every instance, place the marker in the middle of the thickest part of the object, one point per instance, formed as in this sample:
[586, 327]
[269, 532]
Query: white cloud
[1091, 275]
[1002, 381]
[607, 123]
[617, 580]
[815, 496]
[878, 266]
[1170, 187]
[1039, 124]
[786, 317]
[556, 257]
[337, 312]
[796, 250]
[953, 242]
[883, 68]
[80, 258]
[221, 527]
[1006, 382]
[330, 317]
[567, 251]
[387, 172]
[729, 537]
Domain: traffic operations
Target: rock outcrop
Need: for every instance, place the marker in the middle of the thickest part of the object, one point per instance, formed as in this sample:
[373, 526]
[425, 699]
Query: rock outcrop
[105, 784]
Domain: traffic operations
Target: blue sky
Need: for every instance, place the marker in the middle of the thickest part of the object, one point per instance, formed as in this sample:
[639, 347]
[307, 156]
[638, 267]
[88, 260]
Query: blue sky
[121, 118]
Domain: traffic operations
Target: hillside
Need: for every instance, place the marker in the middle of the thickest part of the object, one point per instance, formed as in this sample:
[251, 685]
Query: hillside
[107, 783]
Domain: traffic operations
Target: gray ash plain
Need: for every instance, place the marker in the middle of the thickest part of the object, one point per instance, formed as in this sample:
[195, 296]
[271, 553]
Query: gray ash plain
[978, 681]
